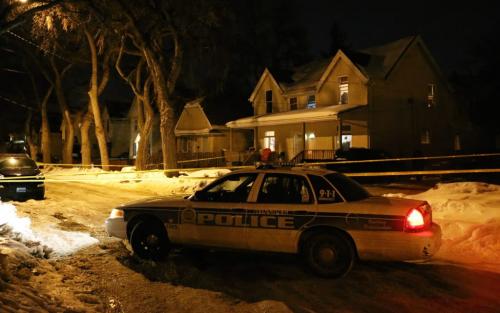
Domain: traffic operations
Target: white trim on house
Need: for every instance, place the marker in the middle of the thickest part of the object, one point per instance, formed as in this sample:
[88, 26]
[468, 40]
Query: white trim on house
[292, 117]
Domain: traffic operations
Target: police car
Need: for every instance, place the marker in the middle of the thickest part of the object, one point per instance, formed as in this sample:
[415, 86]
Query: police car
[324, 216]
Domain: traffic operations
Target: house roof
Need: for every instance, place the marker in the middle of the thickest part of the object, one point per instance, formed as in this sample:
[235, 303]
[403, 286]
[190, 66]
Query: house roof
[290, 117]
[373, 62]
[194, 121]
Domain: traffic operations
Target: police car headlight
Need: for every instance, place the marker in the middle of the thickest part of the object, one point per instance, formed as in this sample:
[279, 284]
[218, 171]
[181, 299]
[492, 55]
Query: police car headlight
[116, 213]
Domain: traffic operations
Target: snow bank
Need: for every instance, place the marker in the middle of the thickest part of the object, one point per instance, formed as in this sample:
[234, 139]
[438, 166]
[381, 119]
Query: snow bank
[150, 182]
[46, 242]
[469, 215]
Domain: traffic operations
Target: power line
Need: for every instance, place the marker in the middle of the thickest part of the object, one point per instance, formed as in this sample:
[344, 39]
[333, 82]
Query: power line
[31, 43]
[16, 103]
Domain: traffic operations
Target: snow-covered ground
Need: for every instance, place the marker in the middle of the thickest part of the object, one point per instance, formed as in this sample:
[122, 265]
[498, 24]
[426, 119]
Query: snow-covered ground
[469, 215]
[72, 215]
[468, 212]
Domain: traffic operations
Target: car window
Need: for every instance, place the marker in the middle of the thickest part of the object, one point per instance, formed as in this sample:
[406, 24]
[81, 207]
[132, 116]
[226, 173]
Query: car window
[283, 188]
[232, 188]
[325, 193]
[348, 188]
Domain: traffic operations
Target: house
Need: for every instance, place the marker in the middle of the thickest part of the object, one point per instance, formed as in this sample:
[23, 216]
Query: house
[197, 138]
[391, 97]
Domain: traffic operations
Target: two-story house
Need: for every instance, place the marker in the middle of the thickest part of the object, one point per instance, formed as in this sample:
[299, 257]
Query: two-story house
[391, 97]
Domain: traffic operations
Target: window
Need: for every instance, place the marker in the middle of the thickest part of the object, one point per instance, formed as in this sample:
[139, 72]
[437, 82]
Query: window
[431, 93]
[233, 188]
[343, 90]
[349, 188]
[311, 102]
[270, 140]
[425, 137]
[325, 193]
[282, 188]
[269, 101]
[293, 103]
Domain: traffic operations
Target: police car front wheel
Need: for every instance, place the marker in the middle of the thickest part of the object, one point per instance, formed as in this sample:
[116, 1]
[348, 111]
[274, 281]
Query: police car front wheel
[149, 240]
[329, 254]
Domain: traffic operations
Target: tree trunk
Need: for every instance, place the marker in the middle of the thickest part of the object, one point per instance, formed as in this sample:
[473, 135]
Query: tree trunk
[145, 129]
[168, 144]
[46, 152]
[85, 149]
[94, 101]
[31, 136]
[67, 124]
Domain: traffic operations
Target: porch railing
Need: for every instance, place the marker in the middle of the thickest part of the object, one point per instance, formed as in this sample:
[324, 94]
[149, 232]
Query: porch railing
[313, 155]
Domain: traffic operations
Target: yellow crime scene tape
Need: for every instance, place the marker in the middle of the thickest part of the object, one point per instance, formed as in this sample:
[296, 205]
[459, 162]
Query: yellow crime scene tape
[59, 177]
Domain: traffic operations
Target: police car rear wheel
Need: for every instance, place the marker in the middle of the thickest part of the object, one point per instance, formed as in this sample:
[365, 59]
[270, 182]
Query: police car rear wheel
[329, 254]
[149, 240]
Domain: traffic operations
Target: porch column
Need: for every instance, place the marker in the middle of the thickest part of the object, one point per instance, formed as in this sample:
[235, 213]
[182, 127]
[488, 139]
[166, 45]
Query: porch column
[303, 137]
[340, 133]
[256, 138]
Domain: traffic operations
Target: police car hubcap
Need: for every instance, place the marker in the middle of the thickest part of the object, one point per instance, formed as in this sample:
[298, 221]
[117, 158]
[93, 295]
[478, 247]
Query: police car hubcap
[151, 242]
[326, 255]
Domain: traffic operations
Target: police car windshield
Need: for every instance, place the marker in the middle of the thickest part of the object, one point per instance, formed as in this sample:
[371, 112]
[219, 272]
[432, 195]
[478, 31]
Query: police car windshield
[349, 188]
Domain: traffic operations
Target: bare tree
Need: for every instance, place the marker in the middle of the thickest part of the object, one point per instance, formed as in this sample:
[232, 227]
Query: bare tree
[142, 101]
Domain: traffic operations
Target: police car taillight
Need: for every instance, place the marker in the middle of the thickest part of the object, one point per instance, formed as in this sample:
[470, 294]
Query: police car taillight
[419, 218]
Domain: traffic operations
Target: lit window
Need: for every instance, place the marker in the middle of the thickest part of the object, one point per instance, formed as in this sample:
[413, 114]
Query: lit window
[431, 94]
[343, 90]
[269, 101]
[310, 136]
[425, 137]
[293, 103]
[135, 147]
[311, 102]
[346, 142]
[270, 140]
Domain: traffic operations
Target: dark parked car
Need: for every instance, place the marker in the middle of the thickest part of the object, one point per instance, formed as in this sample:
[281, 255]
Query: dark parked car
[20, 178]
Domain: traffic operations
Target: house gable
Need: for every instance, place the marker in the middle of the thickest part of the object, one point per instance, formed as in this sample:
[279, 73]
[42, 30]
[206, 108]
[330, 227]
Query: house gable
[418, 44]
[327, 88]
[258, 97]
[266, 75]
[193, 120]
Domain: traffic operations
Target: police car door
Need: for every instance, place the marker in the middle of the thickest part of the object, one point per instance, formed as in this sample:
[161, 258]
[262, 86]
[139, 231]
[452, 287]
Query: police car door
[284, 205]
[216, 215]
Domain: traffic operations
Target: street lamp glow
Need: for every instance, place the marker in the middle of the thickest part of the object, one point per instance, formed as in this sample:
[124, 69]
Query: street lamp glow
[22, 1]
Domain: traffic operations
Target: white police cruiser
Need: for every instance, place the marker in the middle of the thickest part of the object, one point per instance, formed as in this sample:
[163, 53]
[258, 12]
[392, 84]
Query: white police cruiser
[324, 216]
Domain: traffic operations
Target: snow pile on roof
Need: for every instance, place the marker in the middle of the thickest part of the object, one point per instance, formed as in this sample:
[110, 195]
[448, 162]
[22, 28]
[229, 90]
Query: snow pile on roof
[47, 242]
[469, 215]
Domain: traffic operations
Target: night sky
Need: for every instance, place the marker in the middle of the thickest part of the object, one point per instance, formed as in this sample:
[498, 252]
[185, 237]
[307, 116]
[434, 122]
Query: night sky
[449, 28]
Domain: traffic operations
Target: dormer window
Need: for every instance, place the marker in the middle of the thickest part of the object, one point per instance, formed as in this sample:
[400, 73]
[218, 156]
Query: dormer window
[431, 93]
[311, 102]
[293, 103]
[269, 101]
[343, 90]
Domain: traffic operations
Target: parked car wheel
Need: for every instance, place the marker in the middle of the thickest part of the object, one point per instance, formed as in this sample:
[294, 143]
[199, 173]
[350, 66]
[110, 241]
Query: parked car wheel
[329, 254]
[149, 240]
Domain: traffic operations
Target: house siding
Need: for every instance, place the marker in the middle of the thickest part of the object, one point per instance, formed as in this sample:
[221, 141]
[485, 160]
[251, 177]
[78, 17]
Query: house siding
[400, 113]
